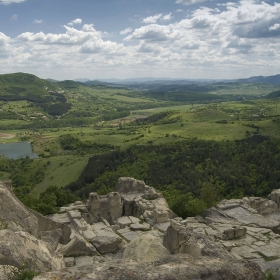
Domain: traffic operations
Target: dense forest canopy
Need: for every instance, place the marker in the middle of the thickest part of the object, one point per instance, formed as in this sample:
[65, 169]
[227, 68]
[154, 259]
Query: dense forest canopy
[232, 169]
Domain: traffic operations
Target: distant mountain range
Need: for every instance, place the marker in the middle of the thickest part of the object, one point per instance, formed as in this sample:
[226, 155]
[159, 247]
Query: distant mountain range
[274, 80]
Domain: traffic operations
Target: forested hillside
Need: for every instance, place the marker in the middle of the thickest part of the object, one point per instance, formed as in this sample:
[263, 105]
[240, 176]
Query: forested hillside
[197, 172]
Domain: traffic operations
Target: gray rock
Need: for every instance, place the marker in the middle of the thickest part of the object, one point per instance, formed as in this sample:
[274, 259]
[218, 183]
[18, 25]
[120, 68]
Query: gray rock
[52, 238]
[14, 214]
[175, 267]
[83, 261]
[107, 242]
[107, 206]
[262, 205]
[18, 247]
[140, 199]
[179, 239]
[275, 196]
[69, 262]
[123, 221]
[235, 233]
[141, 227]
[45, 224]
[145, 248]
[78, 247]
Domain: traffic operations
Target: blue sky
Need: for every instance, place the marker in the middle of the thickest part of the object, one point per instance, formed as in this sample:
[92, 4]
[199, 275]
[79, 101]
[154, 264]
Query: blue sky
[95, 39]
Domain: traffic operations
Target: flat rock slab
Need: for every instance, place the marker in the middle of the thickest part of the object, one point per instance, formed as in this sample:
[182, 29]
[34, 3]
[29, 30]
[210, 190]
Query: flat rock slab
[108, 242]
[61, 218]
[246, 217]
[130, 235]
[83, 260]
[123, 221]
[141, 227]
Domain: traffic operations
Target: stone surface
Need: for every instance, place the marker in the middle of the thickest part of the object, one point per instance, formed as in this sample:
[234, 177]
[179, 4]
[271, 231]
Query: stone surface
[180, 239]
[18, 247]
[45, 224]
[69, 262]
[14, 214]
[107, 206]
[145, 248]
[140, 199]
[107, 242]
[142, 227]
[275, 196]
[262, 205]
[175, 267]
[78, 247]
[52, 238]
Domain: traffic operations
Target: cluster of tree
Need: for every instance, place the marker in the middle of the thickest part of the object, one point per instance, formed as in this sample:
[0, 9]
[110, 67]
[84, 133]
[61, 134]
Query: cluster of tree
[72, 143]
[151, 119]
[79, 114]
[9, 115]
[15, 90]
[25, 175]
[56, 109]
[49, 201]
[190, 172]
[185, 96]
[114, 115]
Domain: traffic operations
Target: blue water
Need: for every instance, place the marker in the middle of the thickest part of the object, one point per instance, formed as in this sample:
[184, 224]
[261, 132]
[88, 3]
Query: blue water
[17, 150]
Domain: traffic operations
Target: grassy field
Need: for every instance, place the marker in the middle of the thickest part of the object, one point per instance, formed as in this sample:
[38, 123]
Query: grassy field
[60, 171]
[213, 121]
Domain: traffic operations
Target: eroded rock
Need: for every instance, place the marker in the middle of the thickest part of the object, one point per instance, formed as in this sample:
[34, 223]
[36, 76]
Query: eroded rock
[145, 248]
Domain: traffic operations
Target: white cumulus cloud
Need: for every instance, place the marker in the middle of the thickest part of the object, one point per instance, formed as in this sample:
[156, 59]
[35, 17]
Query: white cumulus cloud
[126, 31]
[152, 19]
[75, 21]
[8, 2]
[189, 2]
[276, 26]
[37, 21]
[14, 17]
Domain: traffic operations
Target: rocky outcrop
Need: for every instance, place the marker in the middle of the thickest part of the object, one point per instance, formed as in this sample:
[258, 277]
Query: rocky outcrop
[175, 267]
[132, 234]
[145, 248]
[142, 200]
[17, 247]
[107, 207]
[78, 247]
[14, 215]
[27, 235]
[183, 240]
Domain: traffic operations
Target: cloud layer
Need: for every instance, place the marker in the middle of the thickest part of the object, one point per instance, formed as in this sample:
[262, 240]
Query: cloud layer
[8, 2]
[228, 41]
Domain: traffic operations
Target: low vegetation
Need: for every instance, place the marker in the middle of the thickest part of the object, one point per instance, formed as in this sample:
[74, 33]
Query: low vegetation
[197, 143]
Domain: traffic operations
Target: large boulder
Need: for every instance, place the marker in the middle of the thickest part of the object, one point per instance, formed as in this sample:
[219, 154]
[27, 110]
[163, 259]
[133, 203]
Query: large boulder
[145, 248]
[46, 226]
[107, 206]
[78, 247]
[140, 199]
[240, 211]
[262, 205]
[107, 242]
[275, 196]
[14, 215]
[181, 240]
[18, 247]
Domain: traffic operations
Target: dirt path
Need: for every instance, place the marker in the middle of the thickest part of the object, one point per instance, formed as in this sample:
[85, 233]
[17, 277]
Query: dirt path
[6, 136]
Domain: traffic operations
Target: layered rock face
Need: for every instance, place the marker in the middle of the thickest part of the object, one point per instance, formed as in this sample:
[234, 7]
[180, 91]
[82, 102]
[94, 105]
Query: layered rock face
[132, 234]
[20, 232]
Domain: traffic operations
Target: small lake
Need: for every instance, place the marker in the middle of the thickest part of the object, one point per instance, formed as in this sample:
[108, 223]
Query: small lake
[17, 150]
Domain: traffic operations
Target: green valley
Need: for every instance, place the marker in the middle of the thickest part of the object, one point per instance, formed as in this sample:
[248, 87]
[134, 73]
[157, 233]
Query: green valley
[186, 140]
